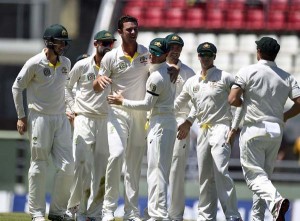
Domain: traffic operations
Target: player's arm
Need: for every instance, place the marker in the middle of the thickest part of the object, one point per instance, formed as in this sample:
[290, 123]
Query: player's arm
[73, 77]
[102, 80]
[146, 104]
[293, 111]
[234, 97]
[183, 98]
[173, 71]
[21, 83]
[184, 128]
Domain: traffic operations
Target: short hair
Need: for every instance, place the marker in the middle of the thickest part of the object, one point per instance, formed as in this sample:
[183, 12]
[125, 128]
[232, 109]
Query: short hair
[126, 18]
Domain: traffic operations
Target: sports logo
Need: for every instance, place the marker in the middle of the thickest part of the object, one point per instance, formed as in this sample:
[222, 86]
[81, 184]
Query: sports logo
[64, 70]
[152, 87]
[206, 46]
[64, 33]
[158, 44]
[19, 78]
[196, 89]
[122, 66]
[47, 72]
[91, 76]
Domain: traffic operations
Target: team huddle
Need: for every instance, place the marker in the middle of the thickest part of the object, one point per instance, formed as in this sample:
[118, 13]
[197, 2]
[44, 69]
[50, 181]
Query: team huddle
[107, 98]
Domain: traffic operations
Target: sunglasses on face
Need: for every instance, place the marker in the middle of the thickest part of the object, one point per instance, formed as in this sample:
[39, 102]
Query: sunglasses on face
[106, 43]
[206, 54]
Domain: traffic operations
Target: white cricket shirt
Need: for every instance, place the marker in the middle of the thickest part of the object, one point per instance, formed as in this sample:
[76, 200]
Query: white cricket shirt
[129, 75]
[209, 96]
[266, 89]
[45, 85]
[86, 101]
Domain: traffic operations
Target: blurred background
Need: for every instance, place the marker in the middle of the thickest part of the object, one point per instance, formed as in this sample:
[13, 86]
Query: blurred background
[232, 25]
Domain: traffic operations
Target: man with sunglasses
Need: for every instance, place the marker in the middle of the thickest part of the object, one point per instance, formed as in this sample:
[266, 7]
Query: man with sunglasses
[90, 144]
[49, 132]
[208, 92]
[265, 89]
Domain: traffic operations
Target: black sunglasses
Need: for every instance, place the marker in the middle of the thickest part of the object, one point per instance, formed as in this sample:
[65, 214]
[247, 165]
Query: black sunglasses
[206, 54]
[106, 43]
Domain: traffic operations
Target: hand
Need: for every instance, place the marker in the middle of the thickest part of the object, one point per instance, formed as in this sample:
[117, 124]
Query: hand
[71, 117]
[115, 98]
[231, 136]
[173, 71]
[183, 130]
[101, 83]
[22, 125]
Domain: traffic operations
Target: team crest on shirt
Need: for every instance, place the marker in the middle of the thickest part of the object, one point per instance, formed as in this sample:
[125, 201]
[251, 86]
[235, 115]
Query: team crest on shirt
[152, 87]
[91, 76]
[143, 59]
[64, 70]
[47, 72]
[122, 66]
[196, 89]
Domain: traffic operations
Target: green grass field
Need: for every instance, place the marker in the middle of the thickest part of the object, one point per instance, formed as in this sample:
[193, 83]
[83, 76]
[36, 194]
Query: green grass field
[15, 217]
[22, 217]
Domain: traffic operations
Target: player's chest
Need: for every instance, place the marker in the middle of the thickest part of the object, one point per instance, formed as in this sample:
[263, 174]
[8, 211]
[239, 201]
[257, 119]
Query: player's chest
[46, 73]
[205, 88]
[135, 66]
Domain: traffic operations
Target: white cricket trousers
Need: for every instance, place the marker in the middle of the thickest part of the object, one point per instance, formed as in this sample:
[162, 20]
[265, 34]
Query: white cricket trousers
[177, 176]
[161, 138]
[49, 135]
[90, 150]
[126, 139]
[258, 156]
[213, 154]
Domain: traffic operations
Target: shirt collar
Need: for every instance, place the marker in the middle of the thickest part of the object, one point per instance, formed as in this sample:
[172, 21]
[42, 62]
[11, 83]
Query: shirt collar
[268, 63]
[155, 67]
[208, 73]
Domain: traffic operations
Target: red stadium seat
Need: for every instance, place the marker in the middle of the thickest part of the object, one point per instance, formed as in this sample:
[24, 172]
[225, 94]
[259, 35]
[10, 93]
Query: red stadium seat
[255, 19]
[174, 18]
[155, 3]
[236, 4]
[214, 19]
[217, 4]
[293, 20]
[137, 12]
[134, 3]
[194, 18]
[281, 5]
[234, 19]
[177, 3]
[276, 20]
[294, 5]
[154, 18]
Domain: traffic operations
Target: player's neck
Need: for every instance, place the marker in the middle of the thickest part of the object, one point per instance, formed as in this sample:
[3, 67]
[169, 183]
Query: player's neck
[129, 49]
[97, 59]
[172, 61]
[51, 56]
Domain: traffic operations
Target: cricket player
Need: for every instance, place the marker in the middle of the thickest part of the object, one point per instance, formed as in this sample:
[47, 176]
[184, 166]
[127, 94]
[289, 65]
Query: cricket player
[265, 88]
[126, 69]
[159, 100]
[181, 147]
[49, 132]
[208, 92]
[90, 142]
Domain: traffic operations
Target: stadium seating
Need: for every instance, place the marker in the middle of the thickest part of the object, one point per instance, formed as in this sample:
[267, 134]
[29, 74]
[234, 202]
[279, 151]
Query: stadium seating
[174, 18]
[194, 18]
